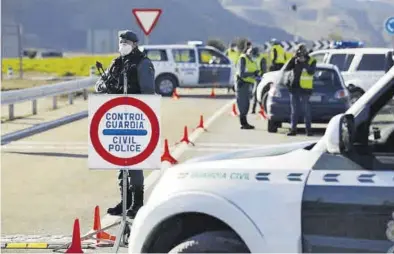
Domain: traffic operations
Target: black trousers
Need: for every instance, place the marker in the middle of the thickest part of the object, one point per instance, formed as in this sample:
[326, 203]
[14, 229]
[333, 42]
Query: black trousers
[135, 178]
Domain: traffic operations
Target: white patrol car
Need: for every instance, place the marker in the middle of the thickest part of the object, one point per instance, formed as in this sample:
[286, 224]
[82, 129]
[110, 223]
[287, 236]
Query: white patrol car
[192, 65]
[335, 194]
[360, 67]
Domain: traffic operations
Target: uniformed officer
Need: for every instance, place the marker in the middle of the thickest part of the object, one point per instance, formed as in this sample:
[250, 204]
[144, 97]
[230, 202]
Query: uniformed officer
[233, 54]
[262, 63]
[247, 73]
[301, 87]
[277, 56]
[140, 78]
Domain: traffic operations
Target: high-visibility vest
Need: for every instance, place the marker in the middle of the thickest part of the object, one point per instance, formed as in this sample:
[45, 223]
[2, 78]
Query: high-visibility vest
[250, 66]
[306, 80]
[258, 61]
[233, 55]
[280, 58]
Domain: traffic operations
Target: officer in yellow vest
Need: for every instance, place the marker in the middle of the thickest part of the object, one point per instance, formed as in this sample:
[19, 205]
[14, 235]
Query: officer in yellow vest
[262, 63]
[247, 72]
[233, 54]
[301, 87]
[277, 56]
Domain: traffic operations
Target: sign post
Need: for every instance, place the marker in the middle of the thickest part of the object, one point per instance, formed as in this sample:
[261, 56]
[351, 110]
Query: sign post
[124, 133]
[389, 26]
[147, 20]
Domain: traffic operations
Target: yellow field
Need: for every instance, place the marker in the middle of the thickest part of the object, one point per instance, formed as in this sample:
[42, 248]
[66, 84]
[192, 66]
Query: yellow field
[74, 66]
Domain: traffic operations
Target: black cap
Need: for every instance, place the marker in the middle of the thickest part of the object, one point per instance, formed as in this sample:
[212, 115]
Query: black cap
[128, 35]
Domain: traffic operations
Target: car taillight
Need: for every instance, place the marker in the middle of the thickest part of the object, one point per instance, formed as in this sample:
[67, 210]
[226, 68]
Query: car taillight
[341, 94]
[274, 92]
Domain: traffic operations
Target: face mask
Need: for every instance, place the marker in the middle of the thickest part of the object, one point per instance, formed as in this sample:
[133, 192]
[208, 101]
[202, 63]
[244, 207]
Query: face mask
[125, 49]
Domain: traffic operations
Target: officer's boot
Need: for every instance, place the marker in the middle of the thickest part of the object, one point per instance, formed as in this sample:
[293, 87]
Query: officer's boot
[117, 210]
[244, 123]
[138, 200]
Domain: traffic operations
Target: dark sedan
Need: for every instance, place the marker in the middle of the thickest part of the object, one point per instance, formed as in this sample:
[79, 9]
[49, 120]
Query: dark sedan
[330, 97]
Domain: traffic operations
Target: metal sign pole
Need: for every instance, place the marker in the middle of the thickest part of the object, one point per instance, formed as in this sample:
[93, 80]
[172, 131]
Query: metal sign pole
[124, 223]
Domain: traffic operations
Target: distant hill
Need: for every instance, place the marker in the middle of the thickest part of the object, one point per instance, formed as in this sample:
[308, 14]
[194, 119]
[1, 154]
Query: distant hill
[64, 24]
[316, 19]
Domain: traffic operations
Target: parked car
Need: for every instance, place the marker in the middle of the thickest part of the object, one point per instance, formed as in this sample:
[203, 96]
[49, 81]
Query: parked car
[191, 65]
[329, 98]
[360, 67]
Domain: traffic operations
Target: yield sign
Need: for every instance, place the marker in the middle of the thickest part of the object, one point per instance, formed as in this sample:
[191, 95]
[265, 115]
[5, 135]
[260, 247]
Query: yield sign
[147, 18]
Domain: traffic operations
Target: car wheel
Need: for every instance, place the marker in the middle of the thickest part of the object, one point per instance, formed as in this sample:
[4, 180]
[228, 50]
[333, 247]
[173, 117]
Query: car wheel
[212, 242]
[165, 85]
[272, 126]
[355, 95]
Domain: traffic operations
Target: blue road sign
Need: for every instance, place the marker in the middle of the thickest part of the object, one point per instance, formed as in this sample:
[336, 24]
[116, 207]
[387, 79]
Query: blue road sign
[389, 25]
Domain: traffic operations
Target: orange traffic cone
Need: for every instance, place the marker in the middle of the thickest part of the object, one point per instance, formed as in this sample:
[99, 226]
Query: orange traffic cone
[212, 93]
[175, 95]
[234, 110]
[262, 112]
[76, 245]
[167, 155]
[185, 137]
[201, 124]
[97, 226]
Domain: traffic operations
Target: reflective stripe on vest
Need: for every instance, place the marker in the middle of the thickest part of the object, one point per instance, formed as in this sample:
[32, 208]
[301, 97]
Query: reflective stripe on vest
[233, 55]
[280, 58]
[250, 66]
[306, 80]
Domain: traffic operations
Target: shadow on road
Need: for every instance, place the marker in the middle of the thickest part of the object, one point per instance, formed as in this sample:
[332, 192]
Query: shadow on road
[68, 155]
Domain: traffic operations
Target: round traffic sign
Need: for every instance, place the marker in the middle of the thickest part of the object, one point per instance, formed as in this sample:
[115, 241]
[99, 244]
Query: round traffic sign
[107, 154]
[389, 25]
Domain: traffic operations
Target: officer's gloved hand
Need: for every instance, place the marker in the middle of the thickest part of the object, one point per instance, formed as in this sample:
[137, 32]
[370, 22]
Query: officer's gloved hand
[257, 73]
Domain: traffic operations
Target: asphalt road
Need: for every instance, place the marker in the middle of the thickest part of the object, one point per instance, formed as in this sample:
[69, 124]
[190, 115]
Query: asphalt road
[46, 183]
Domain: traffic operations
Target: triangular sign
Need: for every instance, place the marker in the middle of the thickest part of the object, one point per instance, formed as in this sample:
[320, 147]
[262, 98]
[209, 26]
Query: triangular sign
[147, 18]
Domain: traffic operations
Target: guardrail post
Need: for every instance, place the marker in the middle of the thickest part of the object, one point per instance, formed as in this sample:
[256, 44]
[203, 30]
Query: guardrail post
[85, 94]
[70, 98]
[11, 111]
[34, 107]
[54, 102]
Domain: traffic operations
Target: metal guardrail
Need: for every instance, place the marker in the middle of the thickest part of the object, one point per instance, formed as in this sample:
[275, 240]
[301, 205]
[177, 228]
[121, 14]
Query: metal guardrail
[32, 94]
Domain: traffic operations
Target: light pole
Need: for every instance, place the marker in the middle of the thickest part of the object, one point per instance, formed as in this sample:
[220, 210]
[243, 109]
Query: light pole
[294, 8]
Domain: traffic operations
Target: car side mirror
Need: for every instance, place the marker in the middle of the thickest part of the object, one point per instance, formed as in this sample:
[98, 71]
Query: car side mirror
[339, 134]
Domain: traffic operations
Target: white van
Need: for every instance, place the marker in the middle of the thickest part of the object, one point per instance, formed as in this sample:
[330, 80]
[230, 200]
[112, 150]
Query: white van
[360, 67]
[191, 65]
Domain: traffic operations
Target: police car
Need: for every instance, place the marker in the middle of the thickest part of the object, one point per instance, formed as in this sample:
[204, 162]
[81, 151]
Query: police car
[335, 194]
[192, 65]
[360, 67]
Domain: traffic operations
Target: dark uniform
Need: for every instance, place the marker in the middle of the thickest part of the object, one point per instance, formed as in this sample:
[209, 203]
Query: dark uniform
[246, 75]
[303, 67]
[140, 78]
